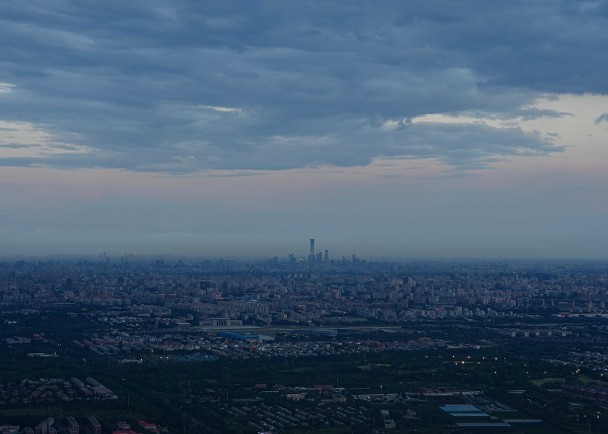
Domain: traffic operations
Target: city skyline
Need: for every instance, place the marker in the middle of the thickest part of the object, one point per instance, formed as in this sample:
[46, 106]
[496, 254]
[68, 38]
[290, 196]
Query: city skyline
[188, 128]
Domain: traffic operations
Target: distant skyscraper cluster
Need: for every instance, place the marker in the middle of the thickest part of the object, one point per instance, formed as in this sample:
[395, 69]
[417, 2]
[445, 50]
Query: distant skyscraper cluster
[320, 257]
[313, 256]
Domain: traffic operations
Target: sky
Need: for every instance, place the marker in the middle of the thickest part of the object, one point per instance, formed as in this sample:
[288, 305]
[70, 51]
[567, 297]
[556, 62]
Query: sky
[387, 129]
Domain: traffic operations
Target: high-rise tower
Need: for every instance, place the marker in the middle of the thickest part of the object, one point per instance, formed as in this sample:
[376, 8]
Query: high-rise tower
[312, 250]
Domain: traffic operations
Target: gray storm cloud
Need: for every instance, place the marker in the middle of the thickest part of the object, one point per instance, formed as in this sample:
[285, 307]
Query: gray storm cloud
[189, 85]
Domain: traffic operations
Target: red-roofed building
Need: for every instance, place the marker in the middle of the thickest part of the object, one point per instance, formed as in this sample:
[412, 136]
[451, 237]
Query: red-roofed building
[149, 426]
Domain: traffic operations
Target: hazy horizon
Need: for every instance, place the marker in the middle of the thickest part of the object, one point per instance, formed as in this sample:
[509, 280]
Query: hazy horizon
[284, 257]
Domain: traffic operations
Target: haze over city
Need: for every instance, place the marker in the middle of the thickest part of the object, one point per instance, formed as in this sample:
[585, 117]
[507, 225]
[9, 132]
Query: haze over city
[408, 129]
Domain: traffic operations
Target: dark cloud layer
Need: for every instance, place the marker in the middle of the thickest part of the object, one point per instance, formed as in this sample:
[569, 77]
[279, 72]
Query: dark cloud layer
[188, 85]
[601, 118]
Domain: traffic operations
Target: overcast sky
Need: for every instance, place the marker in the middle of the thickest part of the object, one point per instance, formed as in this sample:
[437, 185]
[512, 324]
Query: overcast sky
[433, 128]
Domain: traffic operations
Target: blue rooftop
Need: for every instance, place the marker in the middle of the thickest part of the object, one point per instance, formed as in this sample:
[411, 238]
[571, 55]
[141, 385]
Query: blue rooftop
[464, 410]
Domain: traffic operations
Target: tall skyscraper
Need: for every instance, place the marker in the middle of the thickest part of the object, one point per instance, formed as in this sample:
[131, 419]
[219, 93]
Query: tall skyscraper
[408, 283]
[311, 258]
